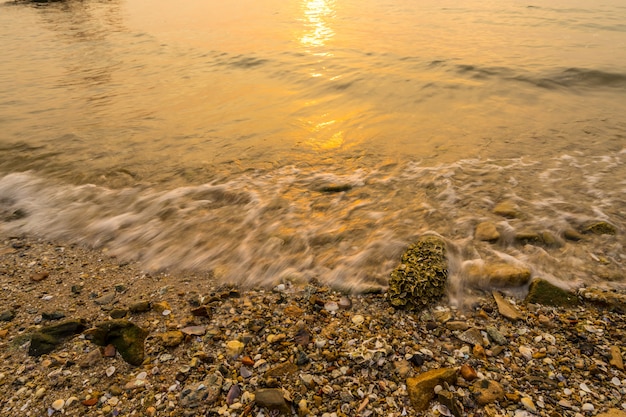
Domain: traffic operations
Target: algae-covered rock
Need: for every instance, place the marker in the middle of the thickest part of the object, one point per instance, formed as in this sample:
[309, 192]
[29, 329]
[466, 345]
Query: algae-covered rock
[421, 276]
[542, 292]
[48, 338]
[600, 228]
[127, 338]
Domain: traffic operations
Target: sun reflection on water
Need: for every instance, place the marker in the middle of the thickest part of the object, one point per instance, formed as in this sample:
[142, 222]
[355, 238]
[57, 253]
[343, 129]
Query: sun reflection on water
[317, 17]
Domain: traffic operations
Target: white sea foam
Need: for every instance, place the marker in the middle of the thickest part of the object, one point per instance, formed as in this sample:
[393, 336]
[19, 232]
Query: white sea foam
[278, 225]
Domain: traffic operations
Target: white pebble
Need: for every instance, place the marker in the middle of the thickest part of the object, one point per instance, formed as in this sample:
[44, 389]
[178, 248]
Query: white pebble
[615, 381]
[526, 352]
[567, 391]
[141, 375]
[585, 388]
[587, 407]
[438, 389]
[167, 312]
[110, 370]
[358, 319]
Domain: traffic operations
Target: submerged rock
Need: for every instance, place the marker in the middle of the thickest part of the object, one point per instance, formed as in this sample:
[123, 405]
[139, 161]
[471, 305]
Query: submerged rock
[48, 338]
[127, 338]
[498, 275]
[542, 292]
[507, 209]
[421, 276]
[486, 231]
[507, 309]
[600, 228]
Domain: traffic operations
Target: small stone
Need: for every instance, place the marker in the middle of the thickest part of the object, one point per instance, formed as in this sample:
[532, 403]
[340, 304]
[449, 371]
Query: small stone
[58, 405]
[161, 307]
[140, 307]
[293, 311]
[4, 333]
[40, 392]
[110, 371]
[345, 303]
[457, 325]
[496, 336]
[331, 306]
[357, 319]
[272, 399]
[572, 234]
[194, 330]
[205, 392]
[615, 381]
[507, 309]
[507, 209]
[468, 373]
[202, 311]
[448, 399]
[472, 336]
[486, 231]
[616, 358]
[39, 276]
[487, 391]
[421, 388]
[588, 407]
[109, 351]
[118, 313]
[172, 338]
[403, 368]
[479, 352]
[105, 299]
[528, 404]
[282, 370]
[496, 275]
[234, 348]
[7, 315]
[526, 352]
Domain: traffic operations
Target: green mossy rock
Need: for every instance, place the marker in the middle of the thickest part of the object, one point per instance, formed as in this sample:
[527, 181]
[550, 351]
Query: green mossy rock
[127, 338]
[542, 292]
[421, 276]
[48, 338]
[600, 228]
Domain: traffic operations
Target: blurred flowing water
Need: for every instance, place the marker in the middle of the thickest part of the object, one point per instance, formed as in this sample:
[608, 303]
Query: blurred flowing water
[271, 141]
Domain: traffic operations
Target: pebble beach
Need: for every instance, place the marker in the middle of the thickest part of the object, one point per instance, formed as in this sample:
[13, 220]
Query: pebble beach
[212, 350]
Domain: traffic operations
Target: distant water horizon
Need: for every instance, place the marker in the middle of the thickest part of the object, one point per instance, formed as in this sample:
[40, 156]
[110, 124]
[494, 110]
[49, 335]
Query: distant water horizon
[272, 141]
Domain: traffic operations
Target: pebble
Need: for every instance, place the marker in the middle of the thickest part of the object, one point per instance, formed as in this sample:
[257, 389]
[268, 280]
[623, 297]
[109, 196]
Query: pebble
[358, 319]
[588, 407]
[58, 404]
[528, 404]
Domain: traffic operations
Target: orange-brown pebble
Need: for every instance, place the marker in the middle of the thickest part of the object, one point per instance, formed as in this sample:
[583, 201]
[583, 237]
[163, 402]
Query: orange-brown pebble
[247, 360]
[479, 352]
[468, 373]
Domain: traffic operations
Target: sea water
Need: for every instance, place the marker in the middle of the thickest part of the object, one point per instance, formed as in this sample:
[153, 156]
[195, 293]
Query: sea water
[277, 141]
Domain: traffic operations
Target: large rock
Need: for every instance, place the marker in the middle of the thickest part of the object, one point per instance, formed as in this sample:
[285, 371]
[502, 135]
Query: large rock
[497, 275]
[421, 389]
[421, 276]
[542, 292]
[48, 338]
[126, 336]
